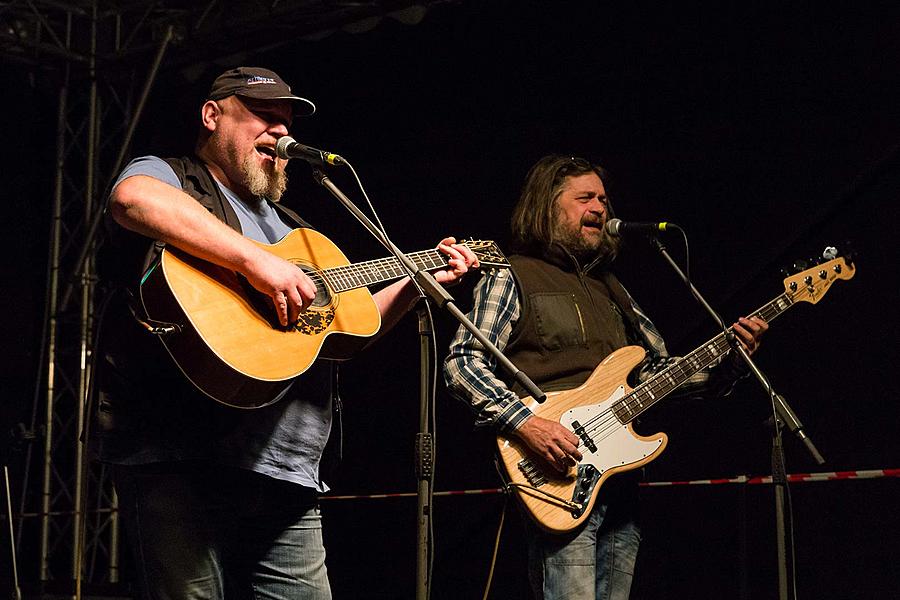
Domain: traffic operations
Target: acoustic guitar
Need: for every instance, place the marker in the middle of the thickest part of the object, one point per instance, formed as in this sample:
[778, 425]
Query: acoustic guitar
[225, 336]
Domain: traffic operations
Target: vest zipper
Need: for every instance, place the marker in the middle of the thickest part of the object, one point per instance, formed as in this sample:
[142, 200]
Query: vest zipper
[580, 274]
[580, 320]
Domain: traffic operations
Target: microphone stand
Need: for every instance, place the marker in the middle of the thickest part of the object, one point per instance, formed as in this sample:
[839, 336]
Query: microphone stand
[433, 291]
[783, 414]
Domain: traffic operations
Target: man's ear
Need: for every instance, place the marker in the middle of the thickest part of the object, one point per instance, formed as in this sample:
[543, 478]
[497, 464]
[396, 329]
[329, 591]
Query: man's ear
[209, 115]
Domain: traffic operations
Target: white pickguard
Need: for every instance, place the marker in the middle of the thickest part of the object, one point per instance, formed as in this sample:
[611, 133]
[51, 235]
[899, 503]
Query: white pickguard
[616, 445]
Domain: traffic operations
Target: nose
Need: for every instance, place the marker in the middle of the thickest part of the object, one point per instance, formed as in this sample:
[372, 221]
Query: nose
[598, 206]
[278, 129]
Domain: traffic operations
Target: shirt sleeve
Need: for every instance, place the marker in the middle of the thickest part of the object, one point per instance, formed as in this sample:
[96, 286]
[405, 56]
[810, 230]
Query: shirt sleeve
[151, 166]
[470, 371]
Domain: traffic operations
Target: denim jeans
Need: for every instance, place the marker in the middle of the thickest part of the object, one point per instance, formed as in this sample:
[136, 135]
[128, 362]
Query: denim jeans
[200, 531]
[594, 562]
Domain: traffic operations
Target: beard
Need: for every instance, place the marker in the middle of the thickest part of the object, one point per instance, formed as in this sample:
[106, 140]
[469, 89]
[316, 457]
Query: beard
[585, 250]
[261, 182]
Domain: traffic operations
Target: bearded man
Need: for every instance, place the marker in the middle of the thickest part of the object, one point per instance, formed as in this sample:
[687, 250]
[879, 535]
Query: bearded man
[557, 318]
[220, 502]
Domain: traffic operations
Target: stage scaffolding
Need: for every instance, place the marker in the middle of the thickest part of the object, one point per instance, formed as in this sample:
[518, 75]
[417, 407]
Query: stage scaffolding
[102, 58]
[80, 48]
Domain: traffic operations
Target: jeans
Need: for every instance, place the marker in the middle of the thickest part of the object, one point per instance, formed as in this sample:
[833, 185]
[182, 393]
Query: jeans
[594, 562]
[200, 531]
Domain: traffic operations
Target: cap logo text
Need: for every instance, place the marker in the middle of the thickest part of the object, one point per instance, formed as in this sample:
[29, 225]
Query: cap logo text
[256, 80]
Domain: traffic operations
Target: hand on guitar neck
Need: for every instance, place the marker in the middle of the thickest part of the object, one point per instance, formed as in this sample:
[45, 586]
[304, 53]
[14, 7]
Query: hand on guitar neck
[749, 330]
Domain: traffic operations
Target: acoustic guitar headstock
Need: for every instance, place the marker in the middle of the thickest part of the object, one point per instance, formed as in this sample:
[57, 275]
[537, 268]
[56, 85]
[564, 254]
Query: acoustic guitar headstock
[488, 253]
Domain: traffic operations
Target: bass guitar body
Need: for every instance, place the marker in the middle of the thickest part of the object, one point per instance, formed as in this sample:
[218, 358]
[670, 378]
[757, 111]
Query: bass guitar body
[560, 502]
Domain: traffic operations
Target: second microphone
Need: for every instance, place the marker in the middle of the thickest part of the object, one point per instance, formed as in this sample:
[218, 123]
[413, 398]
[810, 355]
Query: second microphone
[618, 227]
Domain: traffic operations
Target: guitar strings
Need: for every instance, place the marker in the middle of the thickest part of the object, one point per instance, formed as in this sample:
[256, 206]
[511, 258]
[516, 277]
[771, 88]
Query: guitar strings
[607, 422]
[346, 277]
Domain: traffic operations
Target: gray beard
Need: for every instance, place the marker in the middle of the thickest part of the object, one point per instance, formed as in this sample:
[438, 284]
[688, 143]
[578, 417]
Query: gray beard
[574, 243]
[606, 249]
[261, 183]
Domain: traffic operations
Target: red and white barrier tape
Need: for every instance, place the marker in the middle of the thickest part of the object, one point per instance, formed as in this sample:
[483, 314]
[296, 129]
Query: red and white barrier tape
[795, 478]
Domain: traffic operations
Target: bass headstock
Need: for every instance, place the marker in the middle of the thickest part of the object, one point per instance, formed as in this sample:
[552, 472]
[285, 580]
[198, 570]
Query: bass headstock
[811, 284]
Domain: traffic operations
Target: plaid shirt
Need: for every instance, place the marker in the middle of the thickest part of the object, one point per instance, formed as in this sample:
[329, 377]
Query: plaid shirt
[470, 372]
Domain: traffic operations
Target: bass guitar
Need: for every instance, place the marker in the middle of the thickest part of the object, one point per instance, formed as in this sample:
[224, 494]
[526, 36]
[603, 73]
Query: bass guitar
[601, 412]
[225, 336]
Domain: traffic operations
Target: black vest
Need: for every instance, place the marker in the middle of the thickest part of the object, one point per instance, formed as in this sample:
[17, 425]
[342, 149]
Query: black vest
[571, 318]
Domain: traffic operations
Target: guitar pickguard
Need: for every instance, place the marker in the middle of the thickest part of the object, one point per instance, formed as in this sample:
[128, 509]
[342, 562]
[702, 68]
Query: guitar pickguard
[605, 442]
[314, 321]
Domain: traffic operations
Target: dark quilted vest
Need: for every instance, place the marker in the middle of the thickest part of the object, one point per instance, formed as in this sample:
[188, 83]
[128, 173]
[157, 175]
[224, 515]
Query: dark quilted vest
[571, 319]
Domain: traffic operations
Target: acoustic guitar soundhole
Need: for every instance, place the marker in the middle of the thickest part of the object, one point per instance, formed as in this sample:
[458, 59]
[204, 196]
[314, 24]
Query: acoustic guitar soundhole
[320, 313]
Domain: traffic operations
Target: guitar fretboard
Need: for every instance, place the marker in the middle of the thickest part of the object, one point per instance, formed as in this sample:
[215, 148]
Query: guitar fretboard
[660, 385]
[350, 277]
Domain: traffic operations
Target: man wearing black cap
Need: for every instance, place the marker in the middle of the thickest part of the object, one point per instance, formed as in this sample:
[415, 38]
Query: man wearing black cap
[220, 502]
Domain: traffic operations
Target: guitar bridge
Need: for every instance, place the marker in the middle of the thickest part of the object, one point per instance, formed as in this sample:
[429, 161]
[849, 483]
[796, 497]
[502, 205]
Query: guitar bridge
[532, 473]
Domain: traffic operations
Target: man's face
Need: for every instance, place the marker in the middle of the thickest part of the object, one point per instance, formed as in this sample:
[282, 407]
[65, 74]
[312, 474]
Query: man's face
[244, 140]
[581, 213]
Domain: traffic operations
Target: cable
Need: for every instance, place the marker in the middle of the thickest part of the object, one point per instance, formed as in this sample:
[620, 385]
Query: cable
[490, 579]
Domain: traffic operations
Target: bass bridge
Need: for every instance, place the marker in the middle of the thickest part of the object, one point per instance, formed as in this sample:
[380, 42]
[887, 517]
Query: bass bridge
[586, 480]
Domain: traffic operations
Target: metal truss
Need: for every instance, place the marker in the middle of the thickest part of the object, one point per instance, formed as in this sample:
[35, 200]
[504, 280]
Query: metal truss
[101, 58]
[78, 531]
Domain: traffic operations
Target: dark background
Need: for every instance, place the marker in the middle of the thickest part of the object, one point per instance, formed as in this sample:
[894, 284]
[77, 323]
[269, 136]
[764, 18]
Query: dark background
[767, 133]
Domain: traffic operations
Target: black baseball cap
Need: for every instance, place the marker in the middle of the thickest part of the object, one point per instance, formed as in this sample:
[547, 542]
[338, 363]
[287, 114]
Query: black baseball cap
[262, 84]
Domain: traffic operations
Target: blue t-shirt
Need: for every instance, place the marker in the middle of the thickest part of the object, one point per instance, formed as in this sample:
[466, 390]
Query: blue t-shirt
[284, 440]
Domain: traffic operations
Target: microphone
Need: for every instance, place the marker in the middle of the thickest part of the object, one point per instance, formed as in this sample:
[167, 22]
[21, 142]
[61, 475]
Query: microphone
[619, 228]
[288, 147]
